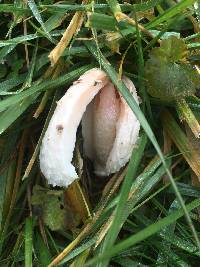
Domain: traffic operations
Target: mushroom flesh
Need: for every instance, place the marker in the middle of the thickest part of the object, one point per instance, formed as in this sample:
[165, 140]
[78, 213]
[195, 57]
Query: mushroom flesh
[109, 127]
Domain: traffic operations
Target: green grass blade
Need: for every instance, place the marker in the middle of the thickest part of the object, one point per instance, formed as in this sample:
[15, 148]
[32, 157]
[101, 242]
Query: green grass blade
[149, 174]
[37, 148]
[189, 150]
[125, 190]
[47, 85]
[29, 77]
[143, 234]
[169, 13]
[114, 6]
[42, 252]
[18, 40]
[100, 7]
[81, 259]
[133, 105]
[77, 251]
[12, 113]
[5, 51]
[141, 72]
[13, 8]
[36, 14]
[102, 21]
[28, 242]
[11, 83]
[6, 181]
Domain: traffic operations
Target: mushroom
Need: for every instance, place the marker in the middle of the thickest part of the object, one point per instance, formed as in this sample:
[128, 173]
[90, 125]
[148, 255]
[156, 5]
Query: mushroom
[109, 127]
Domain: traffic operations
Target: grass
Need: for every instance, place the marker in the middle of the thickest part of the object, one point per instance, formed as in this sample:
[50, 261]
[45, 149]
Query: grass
[148, 213]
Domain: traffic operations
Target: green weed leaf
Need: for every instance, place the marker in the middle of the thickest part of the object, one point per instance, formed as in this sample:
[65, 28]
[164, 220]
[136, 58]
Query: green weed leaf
[168, 74]
[172, 50]
[50, 205]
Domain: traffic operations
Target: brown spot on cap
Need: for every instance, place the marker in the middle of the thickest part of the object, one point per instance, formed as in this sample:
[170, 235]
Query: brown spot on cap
[77, 82]
[97, 82]
[117, 94]
[59, 128]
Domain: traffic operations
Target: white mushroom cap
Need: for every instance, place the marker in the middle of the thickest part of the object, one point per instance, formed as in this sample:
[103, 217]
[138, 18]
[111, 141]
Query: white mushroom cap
[113, 129]
[99, 124]
[109, 127]
[58, 144]
[127, 131]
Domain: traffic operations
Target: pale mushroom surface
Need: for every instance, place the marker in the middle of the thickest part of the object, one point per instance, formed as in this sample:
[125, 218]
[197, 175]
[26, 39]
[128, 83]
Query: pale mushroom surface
[113, 129]
[58, 144]
[99, 124]
[109, 128]
[127, 131]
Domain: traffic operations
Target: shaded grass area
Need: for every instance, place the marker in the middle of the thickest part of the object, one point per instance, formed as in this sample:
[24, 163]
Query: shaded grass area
[145, 215]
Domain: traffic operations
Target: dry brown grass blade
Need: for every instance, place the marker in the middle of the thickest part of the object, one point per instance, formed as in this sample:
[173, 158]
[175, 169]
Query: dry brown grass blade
[76, 198]
[103, 231]
[80, 260]
[17, 180]
[73, 28]
[107, 225]
[52, 72]
[77, 240]
[42, 104]
[25, 33]
[110, 190]
[43, 233]
[187, 115]
[196, 143]
[68, 249]
[189, 150]
[21, 154]
[121, 16]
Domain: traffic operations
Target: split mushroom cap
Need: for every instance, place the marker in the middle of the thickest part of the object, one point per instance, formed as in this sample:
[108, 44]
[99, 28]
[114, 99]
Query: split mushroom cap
[109, 127]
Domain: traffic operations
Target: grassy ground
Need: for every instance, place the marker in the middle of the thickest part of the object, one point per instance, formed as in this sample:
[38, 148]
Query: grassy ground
[145, 215]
